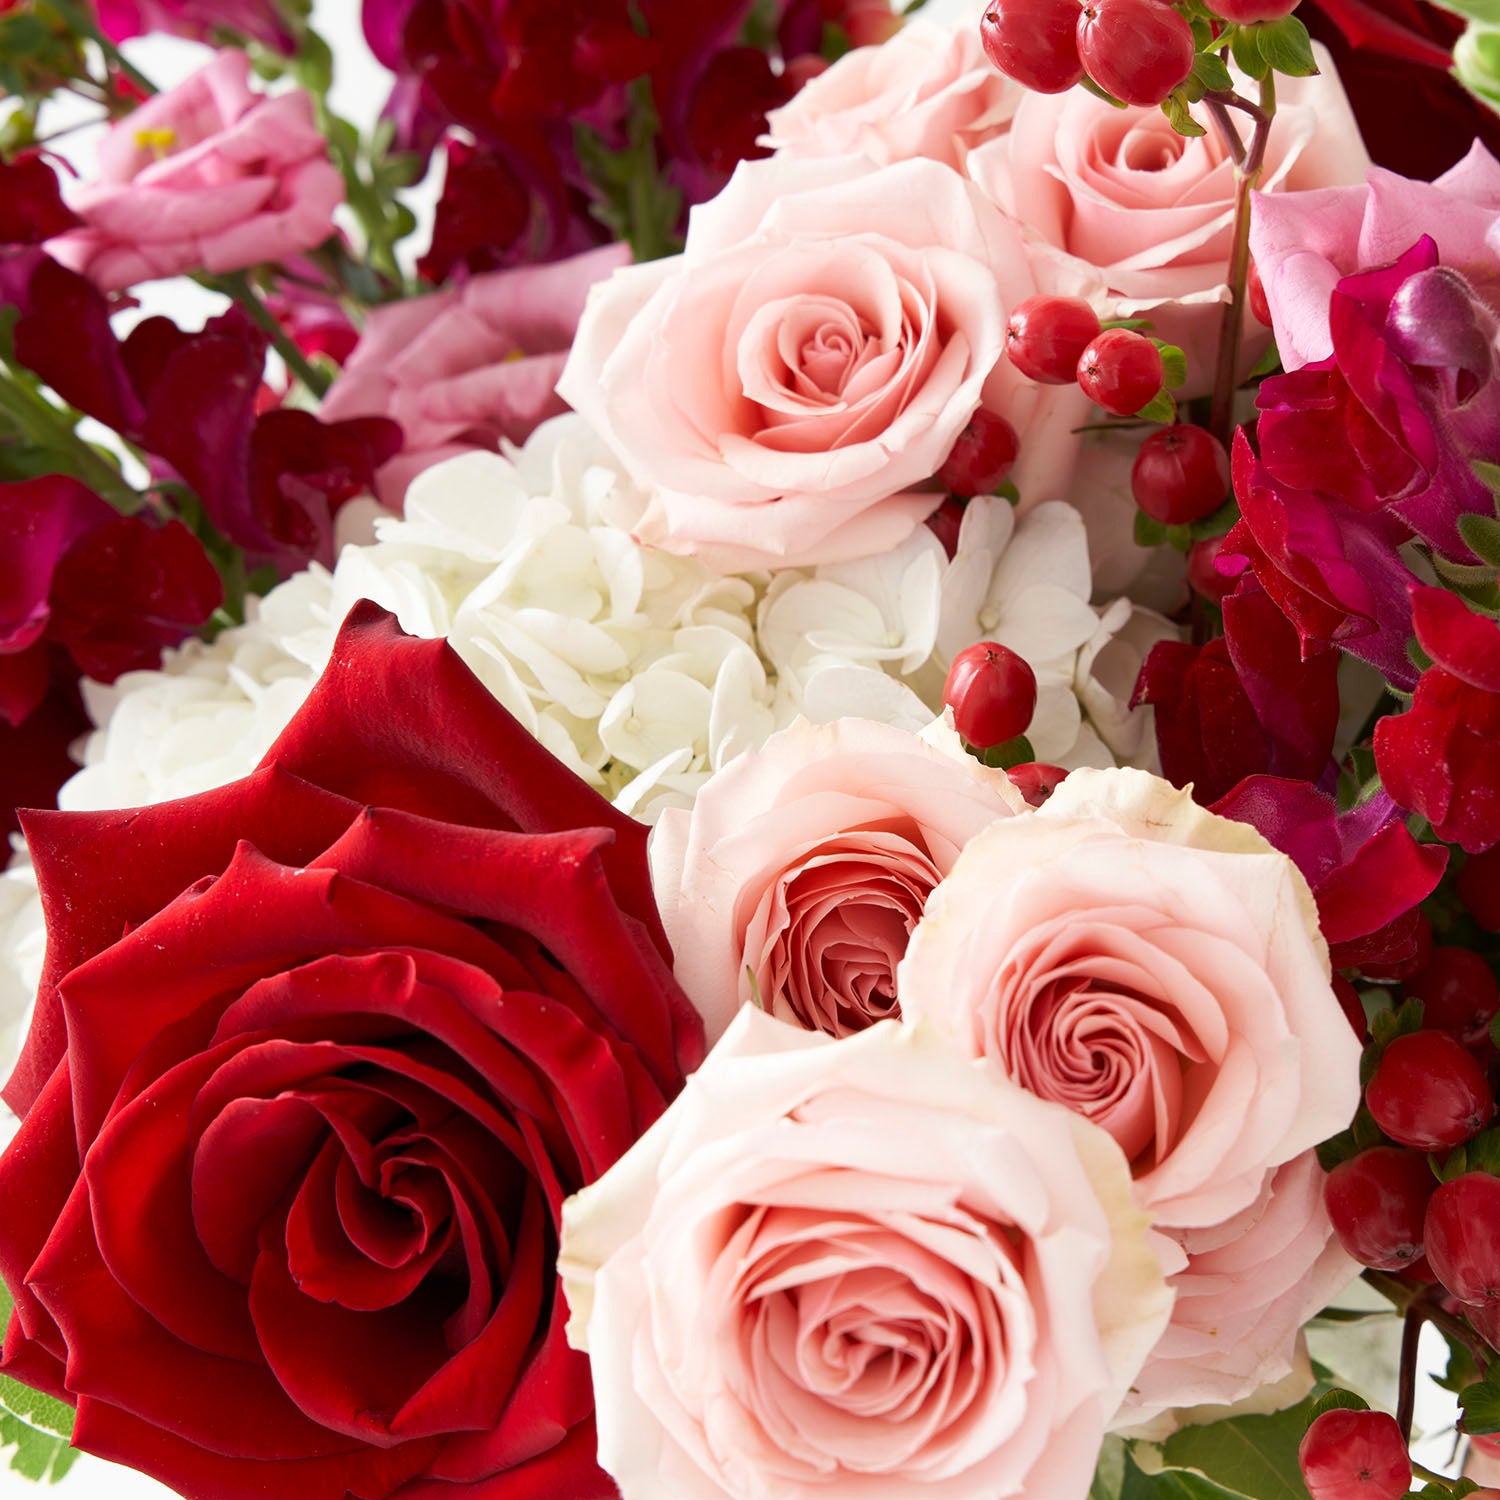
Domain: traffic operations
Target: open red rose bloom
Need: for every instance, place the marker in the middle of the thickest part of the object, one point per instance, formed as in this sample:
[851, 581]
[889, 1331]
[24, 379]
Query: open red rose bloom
[331, 1046]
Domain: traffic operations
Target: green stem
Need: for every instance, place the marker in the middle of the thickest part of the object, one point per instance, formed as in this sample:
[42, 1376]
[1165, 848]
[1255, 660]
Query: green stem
[42, 424]
[237, 286]
[81, 22]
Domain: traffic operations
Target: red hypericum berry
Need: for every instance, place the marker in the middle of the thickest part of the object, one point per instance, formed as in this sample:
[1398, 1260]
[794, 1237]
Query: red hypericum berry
[1479, 888]
[1036, 780]
[981, 458]
[1462, 1237]
[1248, 12]
[1047, 335]
[1137, 50]
[1203, 574]
[992, 693]
[1428, 1092]
[1351, 1005]
[1376, 1202]
[1355, 1455]
[1485, 1316]
[1120, 371]
[1418, 1273]
[1180, 474]
[1034, 41]
[944, 523]
[1458, 992]
[1260, 308]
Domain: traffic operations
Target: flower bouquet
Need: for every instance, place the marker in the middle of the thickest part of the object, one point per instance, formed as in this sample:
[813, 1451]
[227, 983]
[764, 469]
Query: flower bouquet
[770, 767]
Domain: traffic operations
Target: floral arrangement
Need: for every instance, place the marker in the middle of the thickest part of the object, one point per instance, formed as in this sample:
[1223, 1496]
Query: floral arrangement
[799, 797]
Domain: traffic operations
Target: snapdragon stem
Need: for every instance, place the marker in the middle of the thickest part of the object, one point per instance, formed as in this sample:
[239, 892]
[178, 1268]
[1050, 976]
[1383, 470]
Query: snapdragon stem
[237, 287]
[41, 423]
[83, 24]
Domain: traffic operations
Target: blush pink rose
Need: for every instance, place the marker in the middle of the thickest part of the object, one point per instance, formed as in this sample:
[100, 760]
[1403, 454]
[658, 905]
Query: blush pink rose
[1153, 211]
[867, 1269]
[469, 367]
[929, 91]
[790, 383]
[1160, 969]
[1304, 243]
[208, 176]
[798, 876]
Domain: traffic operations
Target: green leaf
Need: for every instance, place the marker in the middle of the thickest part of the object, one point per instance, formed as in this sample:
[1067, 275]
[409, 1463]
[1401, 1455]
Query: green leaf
[1339, 1400]
[1217, 522]
[1286, 46]
[1482, 1153]
[1268, 363]
[1482, 535]
[1160, 408]
[1456, 1164]
[1212, 72]
[1488, 474]
[1481, 1403]
[1008, 753]
[1336, 1149]
[1168, 1483]
[1149, 532]
[1175, 108]
[1255, 1455]
[1109, 1473]
[1244, 47]
[38, 1428]
[1103, 94]
[1173, 364]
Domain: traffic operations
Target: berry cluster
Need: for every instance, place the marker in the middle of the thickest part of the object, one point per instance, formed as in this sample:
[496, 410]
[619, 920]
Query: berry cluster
[1057, 340]
[1414, 1186]
[1428, 1095]
[1137, 51]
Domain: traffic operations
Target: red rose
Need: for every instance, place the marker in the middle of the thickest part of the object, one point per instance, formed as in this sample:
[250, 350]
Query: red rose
[333, 1044]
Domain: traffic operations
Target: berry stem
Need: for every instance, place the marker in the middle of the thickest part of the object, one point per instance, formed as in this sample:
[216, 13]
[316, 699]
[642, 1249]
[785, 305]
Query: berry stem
[1398, 1292]
[1411, 1338]
[1248, 163]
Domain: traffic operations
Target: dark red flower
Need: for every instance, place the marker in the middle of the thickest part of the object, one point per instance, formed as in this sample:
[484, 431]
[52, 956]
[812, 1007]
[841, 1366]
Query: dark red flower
[1403, 49]
[1243, 704]
[31, 205]
[1367, 873]
[111, 590]
[1441, 758]
[82, 590]
[34, 759]
[333, 1044]
[270, 482]
[1363, 450]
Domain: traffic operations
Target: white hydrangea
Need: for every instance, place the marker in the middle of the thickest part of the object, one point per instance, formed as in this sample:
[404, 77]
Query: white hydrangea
[636, 669]
[876, 637]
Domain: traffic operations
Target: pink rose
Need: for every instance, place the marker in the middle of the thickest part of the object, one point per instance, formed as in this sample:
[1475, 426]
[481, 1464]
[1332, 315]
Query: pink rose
[1159, 969]
[1305, 242]
[929, 91]
[798, 876]
[1152, 210]
[810, 358]
[468, 367]
[209, 176]
[867, 1269]
[1244, 1289]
